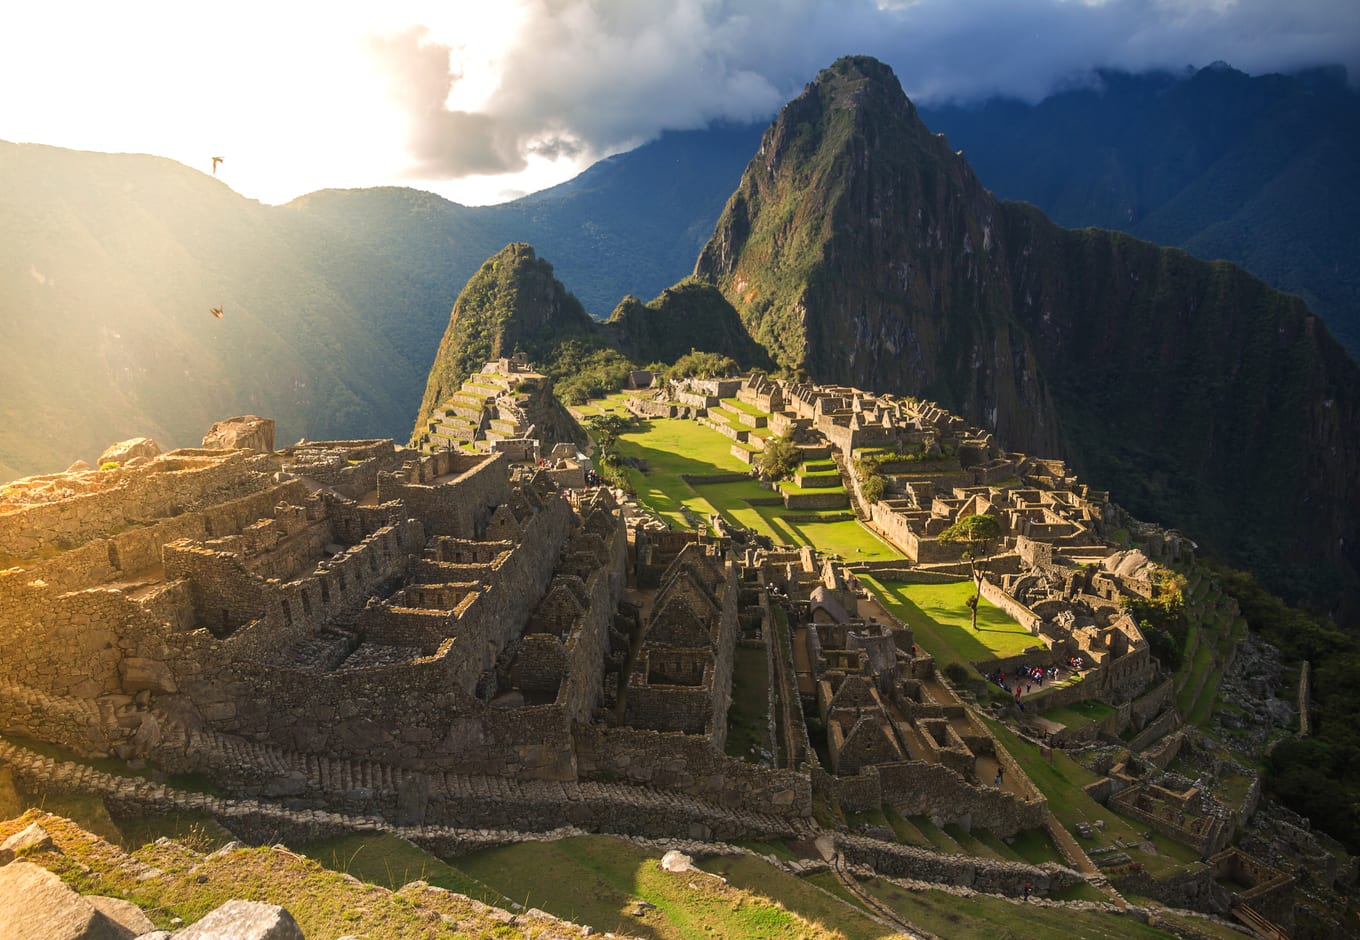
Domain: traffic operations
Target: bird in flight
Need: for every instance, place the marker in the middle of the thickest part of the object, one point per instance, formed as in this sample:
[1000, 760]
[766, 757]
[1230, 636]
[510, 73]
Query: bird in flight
[217, 160]
[216, 311]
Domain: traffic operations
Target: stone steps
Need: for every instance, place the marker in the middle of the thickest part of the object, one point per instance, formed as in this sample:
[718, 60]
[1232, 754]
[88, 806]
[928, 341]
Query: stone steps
[348, 776]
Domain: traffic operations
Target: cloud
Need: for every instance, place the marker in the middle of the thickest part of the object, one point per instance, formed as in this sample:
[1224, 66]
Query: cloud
[579, 79]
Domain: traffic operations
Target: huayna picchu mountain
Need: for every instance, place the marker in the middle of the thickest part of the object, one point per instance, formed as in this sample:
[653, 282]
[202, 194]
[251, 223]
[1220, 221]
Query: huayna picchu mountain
[512, 304]
[859, 247]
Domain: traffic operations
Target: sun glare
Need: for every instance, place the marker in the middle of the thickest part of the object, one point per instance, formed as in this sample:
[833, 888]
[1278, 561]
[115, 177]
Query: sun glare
[290, 97]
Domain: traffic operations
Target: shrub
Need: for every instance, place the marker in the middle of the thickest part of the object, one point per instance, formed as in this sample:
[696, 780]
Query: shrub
[110, 465]
[779, 458]
[702, 365]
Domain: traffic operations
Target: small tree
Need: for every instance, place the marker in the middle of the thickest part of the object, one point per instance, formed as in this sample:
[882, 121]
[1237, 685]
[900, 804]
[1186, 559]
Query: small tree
[779, 458]
[977, 533]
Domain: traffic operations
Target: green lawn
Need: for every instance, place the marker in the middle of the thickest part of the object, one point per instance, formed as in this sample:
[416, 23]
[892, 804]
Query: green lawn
[798, 895]
[1061, 781]
[941, 621]
[982, 917]
[1080, 714]
[598, 880]
[846, 538]
[736, 404]
[676, 447]
[390, 861]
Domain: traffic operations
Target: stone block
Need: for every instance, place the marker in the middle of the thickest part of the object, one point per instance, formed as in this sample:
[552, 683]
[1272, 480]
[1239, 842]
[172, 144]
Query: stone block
[48, 909]
[124, 451]
[244, 431]
[34, 838]
[122, 912]
[244, 920]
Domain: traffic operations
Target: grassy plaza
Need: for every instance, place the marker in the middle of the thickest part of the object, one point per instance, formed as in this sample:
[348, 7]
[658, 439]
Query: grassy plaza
[673, 448]
[942, 623]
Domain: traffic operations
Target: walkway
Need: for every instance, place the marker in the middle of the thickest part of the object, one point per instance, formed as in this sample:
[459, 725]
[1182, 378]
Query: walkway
[1076, 856]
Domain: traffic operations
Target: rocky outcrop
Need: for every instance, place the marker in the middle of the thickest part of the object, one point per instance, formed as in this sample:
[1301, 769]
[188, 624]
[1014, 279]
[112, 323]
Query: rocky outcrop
[40, 906]
[513, 303]
[244, 920]
[860, 248]
[244, 431]
[133, 447]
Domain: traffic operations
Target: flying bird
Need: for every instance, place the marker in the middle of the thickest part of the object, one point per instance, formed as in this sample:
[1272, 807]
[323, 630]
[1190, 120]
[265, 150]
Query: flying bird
[217, 160]
[216, 311]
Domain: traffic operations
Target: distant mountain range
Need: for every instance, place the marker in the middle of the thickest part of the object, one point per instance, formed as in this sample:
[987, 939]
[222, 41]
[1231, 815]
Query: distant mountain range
[1202, 398]
[333, 304]
[1262, 171]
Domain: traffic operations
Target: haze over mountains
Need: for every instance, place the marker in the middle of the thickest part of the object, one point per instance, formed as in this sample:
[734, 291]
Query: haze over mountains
[335, 303]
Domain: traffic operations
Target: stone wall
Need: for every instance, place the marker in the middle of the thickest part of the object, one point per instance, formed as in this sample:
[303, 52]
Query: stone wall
[834, 499]
[459, 506]
[918, 788]
[692, 765]
[1013, 608]
[981, 874]
[95, 503]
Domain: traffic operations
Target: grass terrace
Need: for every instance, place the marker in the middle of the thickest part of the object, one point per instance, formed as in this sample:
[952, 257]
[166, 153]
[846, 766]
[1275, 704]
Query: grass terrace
[1061, 779]
[675, 448]
[985, 917]
[1080, 714]
[618, 886]
[942, 623]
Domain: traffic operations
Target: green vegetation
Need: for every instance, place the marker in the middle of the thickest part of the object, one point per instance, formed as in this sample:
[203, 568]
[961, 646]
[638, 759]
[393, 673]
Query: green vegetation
[582, 371]
[748, 718]
[935, 613]
[391, 861]
[672, 449]
[702, 365]
[667, 328]
[802, 896]
[1162, 619]
[1318, 776]
[600, 881]
[983, 917]
[978, 533]
[512, 303]
[324, 903]
[1061, 779]
[1080, 714]
[779, 458]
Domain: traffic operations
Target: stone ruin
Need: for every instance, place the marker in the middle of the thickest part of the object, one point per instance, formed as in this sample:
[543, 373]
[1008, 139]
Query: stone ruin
[506, 407]
[355, 626]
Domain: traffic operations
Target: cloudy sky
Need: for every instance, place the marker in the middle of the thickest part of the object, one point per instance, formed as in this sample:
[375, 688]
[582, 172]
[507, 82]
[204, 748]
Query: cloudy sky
[482, 106]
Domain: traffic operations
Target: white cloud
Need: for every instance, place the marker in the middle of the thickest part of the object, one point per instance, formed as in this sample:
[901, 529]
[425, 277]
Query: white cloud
[583, 78]
[517, 94]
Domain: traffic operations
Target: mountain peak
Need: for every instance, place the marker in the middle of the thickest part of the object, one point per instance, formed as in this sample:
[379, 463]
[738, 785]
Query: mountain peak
[862, 250]
[512, 303]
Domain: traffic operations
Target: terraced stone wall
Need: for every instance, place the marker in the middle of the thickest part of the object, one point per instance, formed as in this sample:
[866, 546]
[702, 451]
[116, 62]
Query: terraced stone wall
[690, 764]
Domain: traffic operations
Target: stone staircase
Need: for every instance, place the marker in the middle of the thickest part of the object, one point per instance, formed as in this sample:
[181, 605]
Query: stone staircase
[367, 789]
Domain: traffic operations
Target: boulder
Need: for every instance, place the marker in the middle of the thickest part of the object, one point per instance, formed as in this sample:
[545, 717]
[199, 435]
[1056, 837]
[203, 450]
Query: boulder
[79, 466]
[34, 838]
[677, 862]
[244, 920]
[244, 431]
[124, 451]
[48, 909]
[122, 912]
